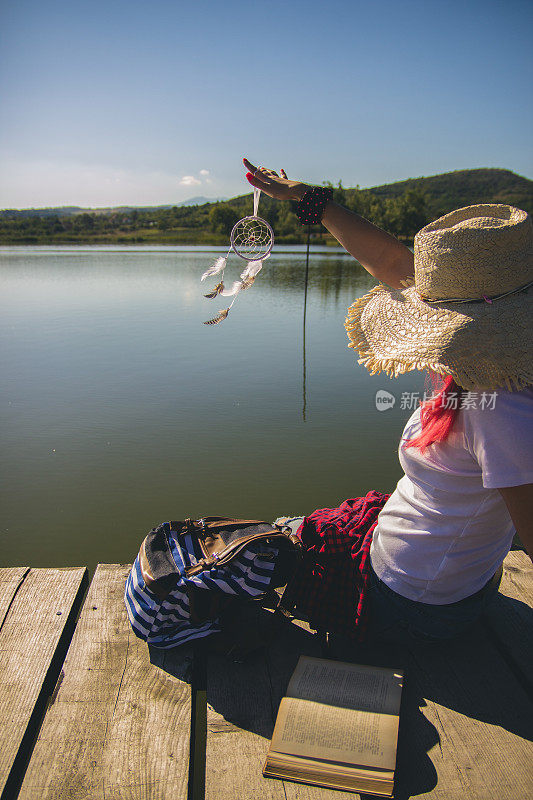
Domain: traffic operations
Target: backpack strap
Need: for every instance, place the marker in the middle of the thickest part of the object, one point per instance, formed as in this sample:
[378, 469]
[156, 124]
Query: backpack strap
[188, 525]
[218, 555]
[159, 570]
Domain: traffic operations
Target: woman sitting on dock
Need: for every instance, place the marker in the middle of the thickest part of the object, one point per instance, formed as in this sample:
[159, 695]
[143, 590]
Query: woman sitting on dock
[460, 308]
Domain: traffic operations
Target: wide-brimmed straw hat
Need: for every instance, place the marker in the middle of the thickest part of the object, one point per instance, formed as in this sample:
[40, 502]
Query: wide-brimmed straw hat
[468, 311]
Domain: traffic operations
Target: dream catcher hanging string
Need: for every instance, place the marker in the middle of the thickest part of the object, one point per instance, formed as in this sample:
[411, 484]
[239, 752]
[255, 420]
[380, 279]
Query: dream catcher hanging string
[251, 239]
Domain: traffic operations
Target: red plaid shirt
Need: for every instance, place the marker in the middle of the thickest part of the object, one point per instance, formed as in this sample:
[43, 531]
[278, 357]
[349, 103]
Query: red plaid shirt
[329, 588]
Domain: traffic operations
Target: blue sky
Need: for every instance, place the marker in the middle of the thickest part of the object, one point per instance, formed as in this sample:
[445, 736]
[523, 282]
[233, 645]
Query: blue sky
[146, 103]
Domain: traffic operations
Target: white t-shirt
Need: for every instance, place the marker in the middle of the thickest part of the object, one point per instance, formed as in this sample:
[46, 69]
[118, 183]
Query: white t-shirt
[446, 529]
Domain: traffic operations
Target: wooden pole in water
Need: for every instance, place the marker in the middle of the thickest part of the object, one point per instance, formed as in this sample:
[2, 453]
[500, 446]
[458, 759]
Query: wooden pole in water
[304, 401]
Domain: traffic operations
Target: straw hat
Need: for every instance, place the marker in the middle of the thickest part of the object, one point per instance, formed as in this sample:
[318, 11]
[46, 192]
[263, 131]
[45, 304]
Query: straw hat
[468, 311]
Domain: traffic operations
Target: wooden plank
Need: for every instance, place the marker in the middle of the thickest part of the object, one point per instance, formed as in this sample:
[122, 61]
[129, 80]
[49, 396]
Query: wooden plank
[119, 724]
[517, 580]
[466, 720]
[40, 607]
[509, 617]
[282, 660]
[472, 734]
[243, 701]
[239, 728]
[11, 579]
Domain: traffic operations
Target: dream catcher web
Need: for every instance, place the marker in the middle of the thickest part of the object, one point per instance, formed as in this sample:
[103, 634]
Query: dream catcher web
[251, 239]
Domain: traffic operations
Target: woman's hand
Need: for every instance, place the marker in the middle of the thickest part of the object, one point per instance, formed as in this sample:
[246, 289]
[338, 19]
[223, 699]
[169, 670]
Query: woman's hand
[378, 252]
[273, 184]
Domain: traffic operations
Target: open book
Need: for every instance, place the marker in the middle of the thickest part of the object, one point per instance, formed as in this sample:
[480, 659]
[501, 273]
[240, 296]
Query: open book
[338, 727]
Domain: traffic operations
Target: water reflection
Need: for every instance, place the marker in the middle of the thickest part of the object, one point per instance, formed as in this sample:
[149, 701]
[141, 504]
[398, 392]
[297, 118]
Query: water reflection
[330, 277]
[120, 409]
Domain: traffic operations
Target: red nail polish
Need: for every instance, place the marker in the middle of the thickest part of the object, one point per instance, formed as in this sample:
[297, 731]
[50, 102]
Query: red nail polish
[248, 176]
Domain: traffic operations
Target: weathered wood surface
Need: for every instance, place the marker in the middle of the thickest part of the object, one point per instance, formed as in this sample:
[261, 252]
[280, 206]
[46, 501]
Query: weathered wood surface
[509, 619]
[472, 736]
[467, 727]
[466, 720]
[38, 608]
[119, 720]
[243, 701]
[10, 580]
[118, 725]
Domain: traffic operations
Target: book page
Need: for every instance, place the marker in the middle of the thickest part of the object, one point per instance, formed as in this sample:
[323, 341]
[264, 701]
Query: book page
[339, 683]
[305, 728]
[345, 713]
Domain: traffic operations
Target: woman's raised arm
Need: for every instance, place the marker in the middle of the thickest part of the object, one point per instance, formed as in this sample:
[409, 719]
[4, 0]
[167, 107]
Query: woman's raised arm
[380, 254]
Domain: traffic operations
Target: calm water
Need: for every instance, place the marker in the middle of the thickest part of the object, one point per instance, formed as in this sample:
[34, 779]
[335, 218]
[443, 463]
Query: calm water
[120, 409]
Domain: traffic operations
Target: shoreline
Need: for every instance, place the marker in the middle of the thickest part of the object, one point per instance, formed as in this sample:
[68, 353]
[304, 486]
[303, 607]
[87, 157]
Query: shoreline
[317, 239]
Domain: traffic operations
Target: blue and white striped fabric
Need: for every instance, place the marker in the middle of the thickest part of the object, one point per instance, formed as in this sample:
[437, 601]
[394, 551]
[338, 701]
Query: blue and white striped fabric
[166, 623]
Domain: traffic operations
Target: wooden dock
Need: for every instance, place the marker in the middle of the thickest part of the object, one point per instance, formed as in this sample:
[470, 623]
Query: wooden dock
[88, 711]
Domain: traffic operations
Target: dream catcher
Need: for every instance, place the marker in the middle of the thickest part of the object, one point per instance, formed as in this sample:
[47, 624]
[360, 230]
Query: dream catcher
[251, 239]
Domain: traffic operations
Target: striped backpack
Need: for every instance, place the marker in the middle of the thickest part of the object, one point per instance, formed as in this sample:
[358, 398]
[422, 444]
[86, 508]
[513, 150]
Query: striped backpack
[187, 572]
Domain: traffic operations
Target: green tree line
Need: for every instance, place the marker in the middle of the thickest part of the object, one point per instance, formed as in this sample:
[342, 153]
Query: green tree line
[210, 223]
[400, 208]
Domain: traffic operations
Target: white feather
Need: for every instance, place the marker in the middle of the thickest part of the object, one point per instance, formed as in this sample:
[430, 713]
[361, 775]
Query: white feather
[217, 267]
[235, 288]
[253, 269]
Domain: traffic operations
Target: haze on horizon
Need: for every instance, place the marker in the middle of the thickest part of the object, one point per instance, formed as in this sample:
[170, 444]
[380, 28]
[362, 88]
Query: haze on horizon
[137, 104]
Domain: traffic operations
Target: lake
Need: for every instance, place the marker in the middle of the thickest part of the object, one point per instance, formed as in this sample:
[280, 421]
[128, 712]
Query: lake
[120, 409]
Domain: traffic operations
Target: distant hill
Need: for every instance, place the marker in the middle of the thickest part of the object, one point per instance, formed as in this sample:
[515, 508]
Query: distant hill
[199, 201]
[465, 187]
[66, 211]
[400, 208]
[442, 193]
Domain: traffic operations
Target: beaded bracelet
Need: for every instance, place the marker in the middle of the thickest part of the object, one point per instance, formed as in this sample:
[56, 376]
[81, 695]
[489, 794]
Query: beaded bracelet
[311, 207]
